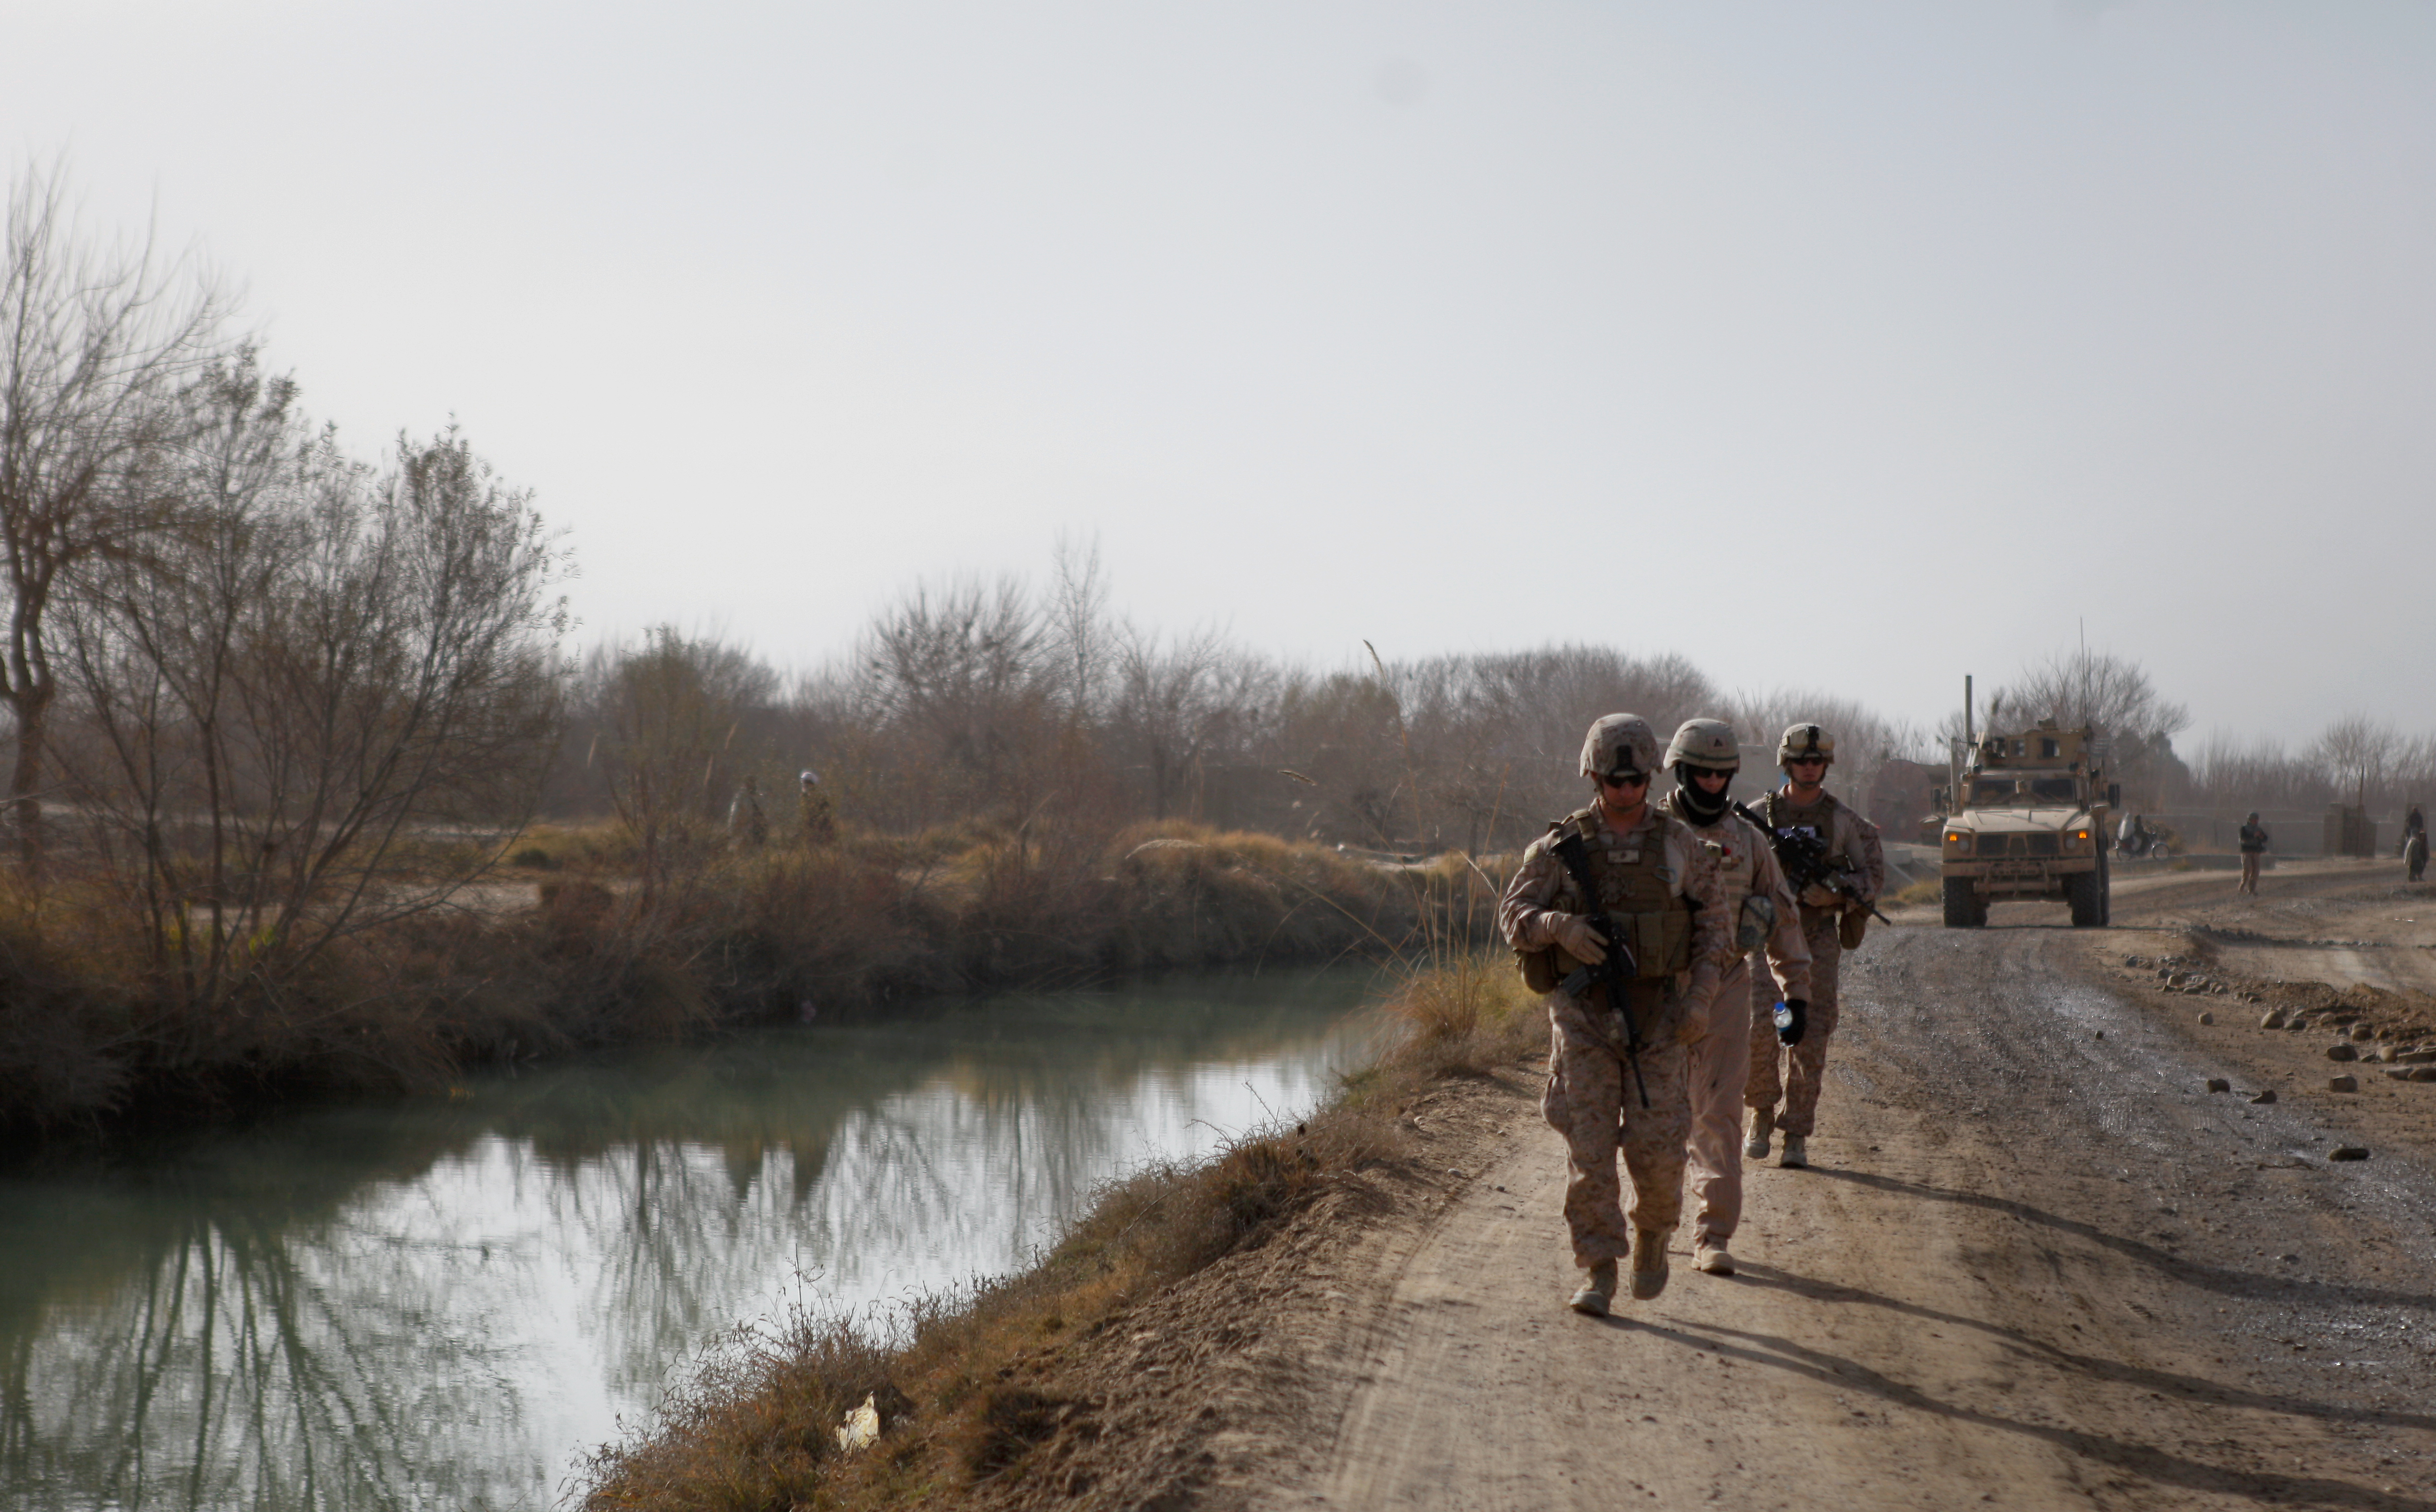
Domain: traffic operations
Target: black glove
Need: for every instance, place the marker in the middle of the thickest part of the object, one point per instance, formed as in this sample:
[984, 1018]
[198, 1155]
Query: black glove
[1799, 1011]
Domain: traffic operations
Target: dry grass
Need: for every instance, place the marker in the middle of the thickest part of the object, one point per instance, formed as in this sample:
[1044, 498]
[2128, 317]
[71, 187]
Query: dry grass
[1927, 889]
[90, 1029]
[1466, 1014]
[753, 1426]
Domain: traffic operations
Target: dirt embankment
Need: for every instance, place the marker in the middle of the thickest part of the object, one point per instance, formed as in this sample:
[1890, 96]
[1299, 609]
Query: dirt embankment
[2037, 1264]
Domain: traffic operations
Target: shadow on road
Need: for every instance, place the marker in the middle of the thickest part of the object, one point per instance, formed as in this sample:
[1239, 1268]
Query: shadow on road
[2247, 1284]
[2155, 1464]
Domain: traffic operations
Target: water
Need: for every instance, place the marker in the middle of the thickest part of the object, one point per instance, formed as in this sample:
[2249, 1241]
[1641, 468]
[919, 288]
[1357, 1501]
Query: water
[437, 1303]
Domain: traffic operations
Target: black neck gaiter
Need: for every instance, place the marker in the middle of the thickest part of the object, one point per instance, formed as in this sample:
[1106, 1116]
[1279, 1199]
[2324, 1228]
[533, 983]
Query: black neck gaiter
[1697, 806]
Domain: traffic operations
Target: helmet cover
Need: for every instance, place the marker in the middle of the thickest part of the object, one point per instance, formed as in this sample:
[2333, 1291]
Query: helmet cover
[1619, 743]
[1708, 744]
[1805, 740]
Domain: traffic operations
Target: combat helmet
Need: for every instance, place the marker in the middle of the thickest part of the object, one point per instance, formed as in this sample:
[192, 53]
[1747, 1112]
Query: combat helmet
[1620, 743]
[1805, 740]
[1708, 744]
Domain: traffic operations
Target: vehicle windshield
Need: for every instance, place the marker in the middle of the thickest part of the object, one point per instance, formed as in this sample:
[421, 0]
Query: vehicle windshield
[2002, 790]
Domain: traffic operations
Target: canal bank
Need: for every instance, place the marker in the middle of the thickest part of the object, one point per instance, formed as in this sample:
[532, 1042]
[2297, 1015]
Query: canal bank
[1105, 1370]
[440, 1301]
[574, 950]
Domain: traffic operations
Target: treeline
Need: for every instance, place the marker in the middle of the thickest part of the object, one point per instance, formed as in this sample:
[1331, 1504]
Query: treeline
[1009, 704]
[2355, 760]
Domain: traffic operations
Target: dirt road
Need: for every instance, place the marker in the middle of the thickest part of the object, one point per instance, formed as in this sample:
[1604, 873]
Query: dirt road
[2035, 1264]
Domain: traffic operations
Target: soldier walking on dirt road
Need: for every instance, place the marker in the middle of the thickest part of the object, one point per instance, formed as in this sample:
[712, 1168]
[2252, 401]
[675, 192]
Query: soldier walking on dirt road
[2254, 853]
[1832, 922]
[1759, 903]
[1619, 890]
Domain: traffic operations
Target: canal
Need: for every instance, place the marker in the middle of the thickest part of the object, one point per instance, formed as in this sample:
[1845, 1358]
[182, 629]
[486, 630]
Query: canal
[438, 1302]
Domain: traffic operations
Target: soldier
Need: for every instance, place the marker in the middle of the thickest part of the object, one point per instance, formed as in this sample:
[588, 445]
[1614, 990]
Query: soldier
[748, 825]
[812, 810]
[1658, 885]
[1830, 925]
[1761, 909]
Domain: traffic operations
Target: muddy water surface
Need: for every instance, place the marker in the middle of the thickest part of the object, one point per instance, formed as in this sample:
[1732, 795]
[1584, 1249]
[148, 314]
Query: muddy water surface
[437, 1303]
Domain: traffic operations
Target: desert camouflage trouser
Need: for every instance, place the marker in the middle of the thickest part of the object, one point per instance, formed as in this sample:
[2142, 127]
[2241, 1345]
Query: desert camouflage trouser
[1806, 1061]
[1720, 1068]
[1595, 1101]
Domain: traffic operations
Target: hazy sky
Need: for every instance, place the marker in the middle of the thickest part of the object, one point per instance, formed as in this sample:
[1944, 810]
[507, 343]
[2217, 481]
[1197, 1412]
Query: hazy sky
[1856, 346]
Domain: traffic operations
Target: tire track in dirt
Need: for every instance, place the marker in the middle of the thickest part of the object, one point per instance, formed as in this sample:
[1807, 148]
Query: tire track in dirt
[2035, 1265]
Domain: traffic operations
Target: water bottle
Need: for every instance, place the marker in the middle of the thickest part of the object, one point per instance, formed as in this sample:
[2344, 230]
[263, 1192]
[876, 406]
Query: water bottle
[1784, 1016]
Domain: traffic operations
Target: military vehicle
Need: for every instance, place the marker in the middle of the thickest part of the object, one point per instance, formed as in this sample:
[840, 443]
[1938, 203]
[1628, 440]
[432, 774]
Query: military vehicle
[2027, 817]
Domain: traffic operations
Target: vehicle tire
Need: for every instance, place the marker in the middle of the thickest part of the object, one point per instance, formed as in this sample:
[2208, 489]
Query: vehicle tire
[1963, 909]
[2086, 893]
[2105, 894]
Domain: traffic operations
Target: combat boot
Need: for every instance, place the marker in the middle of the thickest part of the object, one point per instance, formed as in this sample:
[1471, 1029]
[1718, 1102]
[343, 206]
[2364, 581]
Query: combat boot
[1763, 1123]
[1598, 1285]
[1648, 1263]
[1794, 1157]
[1709, 1256]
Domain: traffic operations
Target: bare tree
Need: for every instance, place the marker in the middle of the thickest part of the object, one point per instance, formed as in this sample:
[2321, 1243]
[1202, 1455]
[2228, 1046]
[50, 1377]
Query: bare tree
[2360, 748]
[315, 667]
[960, 677]
[668, 714]
[1079, 635]
[96, 346]
[1172, 708]
[2108, 692]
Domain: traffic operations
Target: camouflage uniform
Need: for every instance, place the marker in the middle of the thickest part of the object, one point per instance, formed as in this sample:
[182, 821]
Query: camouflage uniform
[813, 811]
[1720, 1065]
[1849, 838]
[1594, 1098]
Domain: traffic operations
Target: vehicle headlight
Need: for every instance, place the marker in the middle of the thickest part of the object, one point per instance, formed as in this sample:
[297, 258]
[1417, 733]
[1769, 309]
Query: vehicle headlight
[1956, 839]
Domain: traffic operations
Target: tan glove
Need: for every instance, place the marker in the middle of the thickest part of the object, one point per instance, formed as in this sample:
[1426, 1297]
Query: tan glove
[1581, 939]
[1693, 1032]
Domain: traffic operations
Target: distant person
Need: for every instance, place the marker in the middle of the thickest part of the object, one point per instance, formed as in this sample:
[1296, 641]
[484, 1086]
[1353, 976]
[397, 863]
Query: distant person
[2253, 849]
[2413, 823]
[1761, 909]
[1831, 923]
[2414, 842]
[812, 810]
[1620, 859]
[748, 825]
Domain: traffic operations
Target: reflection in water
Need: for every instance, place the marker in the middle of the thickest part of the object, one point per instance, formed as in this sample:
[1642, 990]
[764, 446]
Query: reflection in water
[436, 1305]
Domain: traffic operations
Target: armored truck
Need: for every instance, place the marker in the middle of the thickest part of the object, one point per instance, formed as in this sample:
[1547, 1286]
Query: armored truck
[2026, 817]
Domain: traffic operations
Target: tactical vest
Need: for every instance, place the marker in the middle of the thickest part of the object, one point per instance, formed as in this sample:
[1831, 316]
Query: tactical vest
[1737, 845]
[1639, 893]
[1778, 810]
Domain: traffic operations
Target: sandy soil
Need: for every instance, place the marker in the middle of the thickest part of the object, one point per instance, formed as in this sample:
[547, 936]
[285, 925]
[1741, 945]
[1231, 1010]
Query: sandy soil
[2036, 1262]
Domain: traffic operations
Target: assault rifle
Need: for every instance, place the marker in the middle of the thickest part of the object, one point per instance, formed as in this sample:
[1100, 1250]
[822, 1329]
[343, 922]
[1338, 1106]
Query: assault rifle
[1616, 971]
[1806, 863]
